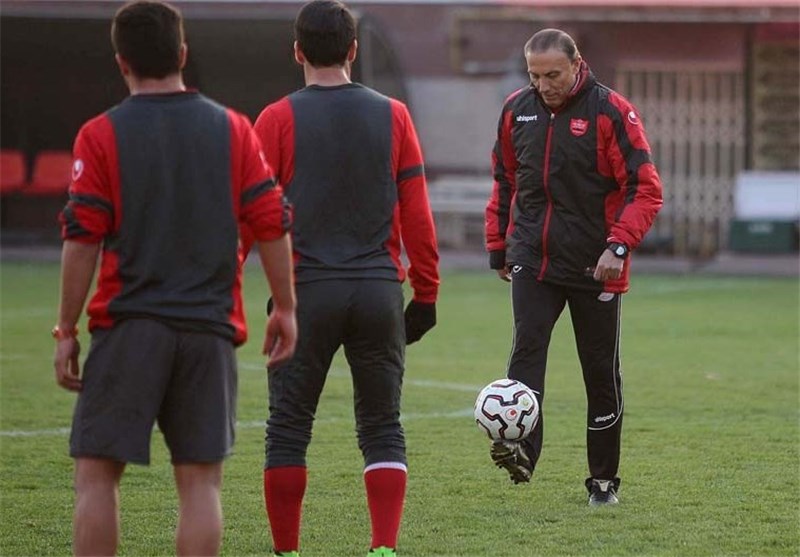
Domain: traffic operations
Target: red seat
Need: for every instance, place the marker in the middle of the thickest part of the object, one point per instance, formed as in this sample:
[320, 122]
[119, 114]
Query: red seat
[52, 172]
[12, 171]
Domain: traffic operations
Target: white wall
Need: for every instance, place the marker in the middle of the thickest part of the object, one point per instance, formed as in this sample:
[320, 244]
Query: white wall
[456, 120]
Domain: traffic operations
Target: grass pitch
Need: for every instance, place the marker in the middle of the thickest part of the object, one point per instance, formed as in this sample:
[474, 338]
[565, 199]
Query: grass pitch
[710, 462]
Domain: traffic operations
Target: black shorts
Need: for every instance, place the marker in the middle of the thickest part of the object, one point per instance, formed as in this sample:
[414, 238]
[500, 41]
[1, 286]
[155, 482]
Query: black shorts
[142, 371]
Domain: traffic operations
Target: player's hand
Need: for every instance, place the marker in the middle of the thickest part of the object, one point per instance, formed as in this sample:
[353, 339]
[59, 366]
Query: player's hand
[420, 318]
[66, 364]
[609, 267]
[281, 337]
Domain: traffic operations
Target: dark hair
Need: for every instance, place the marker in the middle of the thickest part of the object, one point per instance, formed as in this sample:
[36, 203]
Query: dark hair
[325, 31]
[148, 35]
[557, 39]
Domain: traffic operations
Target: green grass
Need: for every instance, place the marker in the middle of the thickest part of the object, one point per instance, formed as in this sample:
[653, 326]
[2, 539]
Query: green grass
[710, 461]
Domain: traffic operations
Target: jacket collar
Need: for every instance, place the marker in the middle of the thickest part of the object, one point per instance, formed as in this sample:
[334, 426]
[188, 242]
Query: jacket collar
[585, 81]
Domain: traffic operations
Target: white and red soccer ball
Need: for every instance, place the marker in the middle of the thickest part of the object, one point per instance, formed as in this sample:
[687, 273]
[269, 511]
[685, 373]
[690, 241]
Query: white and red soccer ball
[506, 409]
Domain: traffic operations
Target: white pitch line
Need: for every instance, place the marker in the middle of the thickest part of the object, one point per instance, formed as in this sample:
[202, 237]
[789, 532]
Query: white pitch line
[35, 432]
[338, 373]
[443, 385]
[13, 314]
[258, 424]
[404, 417]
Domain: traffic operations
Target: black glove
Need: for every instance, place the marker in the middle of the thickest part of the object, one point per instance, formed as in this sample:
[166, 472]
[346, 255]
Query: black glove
[420, 318]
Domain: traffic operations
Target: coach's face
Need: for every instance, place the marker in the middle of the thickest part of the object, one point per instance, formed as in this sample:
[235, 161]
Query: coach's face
[553, 75]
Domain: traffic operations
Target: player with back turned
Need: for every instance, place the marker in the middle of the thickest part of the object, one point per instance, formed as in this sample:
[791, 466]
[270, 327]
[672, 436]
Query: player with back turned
[350, 163]
[160, 185]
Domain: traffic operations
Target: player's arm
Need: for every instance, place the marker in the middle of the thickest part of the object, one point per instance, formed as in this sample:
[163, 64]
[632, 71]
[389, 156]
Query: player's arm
[78, 263]
[276, 260]
[417, 229]
[273, 128]
[275, 131]
[504, 187]
[85, 220]
[267, 215]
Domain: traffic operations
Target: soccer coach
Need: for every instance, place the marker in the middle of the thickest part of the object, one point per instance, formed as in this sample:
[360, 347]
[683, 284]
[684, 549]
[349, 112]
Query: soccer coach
[575, 191]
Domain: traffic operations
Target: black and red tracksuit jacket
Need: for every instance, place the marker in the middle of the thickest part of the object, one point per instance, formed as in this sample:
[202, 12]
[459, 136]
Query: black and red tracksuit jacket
[164, 181]
[349, 161]
[569, 181]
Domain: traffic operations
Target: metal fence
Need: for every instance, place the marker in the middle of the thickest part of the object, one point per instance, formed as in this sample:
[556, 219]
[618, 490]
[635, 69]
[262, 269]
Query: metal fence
[695, 120]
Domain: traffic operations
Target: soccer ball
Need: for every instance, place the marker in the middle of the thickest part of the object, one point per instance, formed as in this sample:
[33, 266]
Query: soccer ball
[506, 409]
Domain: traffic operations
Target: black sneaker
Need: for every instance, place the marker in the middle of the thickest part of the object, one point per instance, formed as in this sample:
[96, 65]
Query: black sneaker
[602, 492]
[510, 456]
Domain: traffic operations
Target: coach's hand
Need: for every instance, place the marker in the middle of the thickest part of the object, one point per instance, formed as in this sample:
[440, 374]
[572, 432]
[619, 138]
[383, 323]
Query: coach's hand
[420, 318]
[609, 267]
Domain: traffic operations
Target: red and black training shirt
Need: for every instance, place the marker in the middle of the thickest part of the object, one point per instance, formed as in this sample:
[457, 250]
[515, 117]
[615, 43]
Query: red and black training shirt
[164, 181]
[350, 163]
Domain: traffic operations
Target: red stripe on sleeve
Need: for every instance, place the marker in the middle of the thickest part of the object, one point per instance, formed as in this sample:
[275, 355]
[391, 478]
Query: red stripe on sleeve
[95, 206]
[630, 211]
[275, 129]
[261, 212]
[90, 213]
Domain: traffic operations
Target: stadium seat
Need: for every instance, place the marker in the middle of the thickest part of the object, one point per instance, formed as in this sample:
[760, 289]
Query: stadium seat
[12, 171]
[52, 171]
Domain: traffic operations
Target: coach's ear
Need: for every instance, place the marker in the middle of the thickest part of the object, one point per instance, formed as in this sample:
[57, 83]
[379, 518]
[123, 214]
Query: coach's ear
[420, 318]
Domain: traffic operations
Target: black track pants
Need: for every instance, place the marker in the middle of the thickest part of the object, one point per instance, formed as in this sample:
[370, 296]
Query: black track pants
[596, 324]
[366, 317]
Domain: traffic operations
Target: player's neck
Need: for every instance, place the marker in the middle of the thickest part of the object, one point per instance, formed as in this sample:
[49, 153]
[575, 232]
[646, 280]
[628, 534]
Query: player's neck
[149, 86]
[330, 76]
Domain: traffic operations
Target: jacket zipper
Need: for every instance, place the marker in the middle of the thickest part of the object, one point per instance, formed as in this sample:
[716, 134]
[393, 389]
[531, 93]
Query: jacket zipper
[546, 182]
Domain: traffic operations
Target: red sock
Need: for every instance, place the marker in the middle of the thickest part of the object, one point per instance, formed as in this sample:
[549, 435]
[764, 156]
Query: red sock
[284, 488]
[386, 493]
